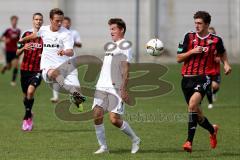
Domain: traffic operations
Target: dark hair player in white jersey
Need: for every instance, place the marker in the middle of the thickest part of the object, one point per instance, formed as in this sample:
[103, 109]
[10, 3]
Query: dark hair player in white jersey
[111, 89]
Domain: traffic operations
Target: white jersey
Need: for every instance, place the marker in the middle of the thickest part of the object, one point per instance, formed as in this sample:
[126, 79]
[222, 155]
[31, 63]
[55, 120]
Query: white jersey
[76, 36]
[111, 72]
[52, 43]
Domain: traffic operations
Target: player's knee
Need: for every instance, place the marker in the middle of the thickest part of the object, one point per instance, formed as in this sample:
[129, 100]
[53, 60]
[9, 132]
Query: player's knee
[30, 94]
[215, 86]
[192, 106]
[115, 122]
[53, 74]
[98, 117]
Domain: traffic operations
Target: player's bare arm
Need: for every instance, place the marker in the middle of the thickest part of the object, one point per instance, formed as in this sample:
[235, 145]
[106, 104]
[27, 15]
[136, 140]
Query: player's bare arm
[125, 76]
[184, 56]
[30, 37]
[227, 67]
[27, 46]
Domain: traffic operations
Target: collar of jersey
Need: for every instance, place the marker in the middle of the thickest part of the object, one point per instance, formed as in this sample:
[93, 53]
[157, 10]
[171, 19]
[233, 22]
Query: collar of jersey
[119, 41]
[203, 37]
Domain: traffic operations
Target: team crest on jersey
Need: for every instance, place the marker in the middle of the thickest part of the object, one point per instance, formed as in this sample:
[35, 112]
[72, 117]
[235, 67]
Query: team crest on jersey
[209, 41]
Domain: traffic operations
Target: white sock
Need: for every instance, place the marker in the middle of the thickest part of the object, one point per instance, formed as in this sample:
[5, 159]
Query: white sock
[69, 88]
[100, 133]
[128, 131]
[55, 94]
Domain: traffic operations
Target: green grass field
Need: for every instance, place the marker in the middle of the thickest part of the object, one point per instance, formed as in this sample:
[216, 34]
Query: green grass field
[161, 126]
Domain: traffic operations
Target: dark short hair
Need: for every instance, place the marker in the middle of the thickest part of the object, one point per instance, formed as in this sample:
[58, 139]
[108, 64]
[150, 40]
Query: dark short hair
[68, 19]
[205, 16]
[14, 17]
[55, 11]
[119, 22]
[213, 29]
[37, 14]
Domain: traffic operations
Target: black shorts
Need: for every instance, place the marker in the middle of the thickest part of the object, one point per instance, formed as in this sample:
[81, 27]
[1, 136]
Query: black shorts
[190, 85]
[216, 78]
[30, 78]
[10, 56]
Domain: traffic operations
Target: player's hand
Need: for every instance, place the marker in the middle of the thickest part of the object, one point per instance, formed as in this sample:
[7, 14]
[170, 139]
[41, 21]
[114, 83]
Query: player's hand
[227, 69]
[217, 59]
[197, 50]
[124, 95]
[61, 53]
[27, 46]
[20, 40]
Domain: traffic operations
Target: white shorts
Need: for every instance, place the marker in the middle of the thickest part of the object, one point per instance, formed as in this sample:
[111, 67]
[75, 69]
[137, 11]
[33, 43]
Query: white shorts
[109, 99]
[70, 79]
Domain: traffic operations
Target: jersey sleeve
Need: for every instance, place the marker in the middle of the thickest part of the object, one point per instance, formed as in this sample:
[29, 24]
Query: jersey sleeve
[129, 55]
[23, 34]
[220, 47]
[68, 41]
[76, 37]
[5, 33]
[183, 47]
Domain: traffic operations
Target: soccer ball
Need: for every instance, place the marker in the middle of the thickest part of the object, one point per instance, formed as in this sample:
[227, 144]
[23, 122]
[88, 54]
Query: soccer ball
[154, 47]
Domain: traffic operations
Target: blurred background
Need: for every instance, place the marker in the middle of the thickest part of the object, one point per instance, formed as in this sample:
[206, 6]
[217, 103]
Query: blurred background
[168, 20]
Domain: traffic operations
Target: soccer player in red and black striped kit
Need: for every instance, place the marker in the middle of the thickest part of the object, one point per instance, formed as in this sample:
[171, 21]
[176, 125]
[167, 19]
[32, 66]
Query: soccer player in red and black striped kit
[197, 53]
[215, 77]
[30, 69]
[11, 37]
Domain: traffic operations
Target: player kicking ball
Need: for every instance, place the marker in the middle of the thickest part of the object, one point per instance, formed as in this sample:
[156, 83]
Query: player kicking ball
[111, 88]
[30, 69]
[57, 50]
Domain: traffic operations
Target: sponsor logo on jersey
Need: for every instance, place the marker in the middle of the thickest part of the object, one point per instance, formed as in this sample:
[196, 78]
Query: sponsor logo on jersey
[51, 45]
[35, 46]
[204, 49]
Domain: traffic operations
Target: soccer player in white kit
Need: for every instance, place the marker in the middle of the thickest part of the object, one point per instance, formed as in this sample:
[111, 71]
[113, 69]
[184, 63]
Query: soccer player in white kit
[56, 56]
[111, 88]
[77, 43]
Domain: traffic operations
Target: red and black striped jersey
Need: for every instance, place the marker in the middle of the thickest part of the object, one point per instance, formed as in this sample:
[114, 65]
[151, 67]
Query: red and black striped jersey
[202, 63]
[217, 67]
[12, 36]
[32, 57]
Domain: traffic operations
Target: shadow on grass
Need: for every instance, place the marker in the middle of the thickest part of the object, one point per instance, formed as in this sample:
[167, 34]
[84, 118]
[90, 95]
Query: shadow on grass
[145, 151]
[63, 130]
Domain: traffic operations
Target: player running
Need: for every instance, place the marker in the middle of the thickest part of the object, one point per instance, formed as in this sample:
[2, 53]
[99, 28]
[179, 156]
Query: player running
[111, 88]
[11, 37]
[198, 52]
[56, 55]
[30, 69]
[215, 77]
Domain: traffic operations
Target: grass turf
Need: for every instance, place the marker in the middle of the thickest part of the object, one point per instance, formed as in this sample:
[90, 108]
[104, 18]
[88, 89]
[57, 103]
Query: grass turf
[160, 122]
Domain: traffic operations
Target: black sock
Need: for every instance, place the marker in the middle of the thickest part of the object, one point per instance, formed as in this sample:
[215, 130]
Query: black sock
[206, 124]
[215, 91]
[28, 103]
[192, 125]
[15, 72]
[209, 94]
